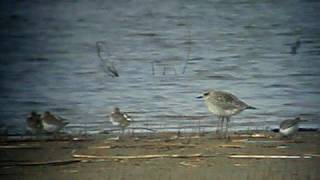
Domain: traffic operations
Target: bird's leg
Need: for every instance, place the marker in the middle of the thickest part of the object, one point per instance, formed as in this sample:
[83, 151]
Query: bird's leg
[122, 130]
[227, 126]
[174, 69]
[221, 124]
[164, 70]
[199, 128]
[152, 66]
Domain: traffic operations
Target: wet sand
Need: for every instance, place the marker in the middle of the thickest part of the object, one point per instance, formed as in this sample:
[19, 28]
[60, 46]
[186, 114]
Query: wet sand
[17, 157]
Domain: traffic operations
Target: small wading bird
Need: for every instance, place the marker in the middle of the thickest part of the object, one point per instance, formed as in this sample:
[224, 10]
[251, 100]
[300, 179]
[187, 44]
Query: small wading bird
[290, 127]
[224, 105]
[52, 123]
[120, 119]
[34, 125]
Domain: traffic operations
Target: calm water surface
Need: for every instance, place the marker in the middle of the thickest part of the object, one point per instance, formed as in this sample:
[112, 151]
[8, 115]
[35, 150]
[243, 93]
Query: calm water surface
[49, 61]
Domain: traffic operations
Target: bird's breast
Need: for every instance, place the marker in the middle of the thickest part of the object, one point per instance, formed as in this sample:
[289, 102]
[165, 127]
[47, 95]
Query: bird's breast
[220, 111]
[289, 131]
[50, 127]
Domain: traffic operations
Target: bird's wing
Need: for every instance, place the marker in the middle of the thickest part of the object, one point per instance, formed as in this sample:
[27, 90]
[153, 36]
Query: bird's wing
[288, 123]
[61, 119]
[228, 100]
[128, 118]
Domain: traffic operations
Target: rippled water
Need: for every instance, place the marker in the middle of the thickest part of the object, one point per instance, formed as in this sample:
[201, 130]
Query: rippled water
[49, 61]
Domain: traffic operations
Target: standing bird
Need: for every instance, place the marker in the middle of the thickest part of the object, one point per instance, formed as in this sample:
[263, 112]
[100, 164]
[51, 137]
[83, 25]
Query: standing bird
[34, 125]
[52, 123]
[120, 119]
[224, 105]
[290, 126]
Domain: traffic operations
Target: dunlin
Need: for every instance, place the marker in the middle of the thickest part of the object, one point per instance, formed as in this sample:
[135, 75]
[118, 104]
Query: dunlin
[224, 105]
[34, 125]
[290, 127]
[120, 119]
[52, 123]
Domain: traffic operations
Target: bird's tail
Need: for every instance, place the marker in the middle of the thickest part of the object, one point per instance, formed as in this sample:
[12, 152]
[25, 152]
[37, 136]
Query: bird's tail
[251, 107]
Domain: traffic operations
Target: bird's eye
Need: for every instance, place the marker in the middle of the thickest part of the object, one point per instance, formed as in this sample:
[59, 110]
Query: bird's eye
[206, 94]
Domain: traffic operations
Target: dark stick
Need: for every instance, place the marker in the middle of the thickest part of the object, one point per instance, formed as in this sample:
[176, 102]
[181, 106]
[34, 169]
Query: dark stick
[188, 52]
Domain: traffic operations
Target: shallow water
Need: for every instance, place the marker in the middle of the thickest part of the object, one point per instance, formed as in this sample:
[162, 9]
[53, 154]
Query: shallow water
[49, 61]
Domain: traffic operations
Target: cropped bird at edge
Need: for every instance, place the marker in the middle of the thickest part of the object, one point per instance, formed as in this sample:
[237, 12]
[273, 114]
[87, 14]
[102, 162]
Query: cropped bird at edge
[52, 123]
[224, 105]
[120, 119]
[290, 126]
[34, 125]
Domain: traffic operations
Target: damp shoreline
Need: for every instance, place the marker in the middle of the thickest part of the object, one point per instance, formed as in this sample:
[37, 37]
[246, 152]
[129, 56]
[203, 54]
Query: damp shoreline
[203, 156]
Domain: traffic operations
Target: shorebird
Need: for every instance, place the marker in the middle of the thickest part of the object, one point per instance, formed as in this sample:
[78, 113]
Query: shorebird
[290, 126]
[34, 125]
[120, 119]
[224, 105]
[52, 123]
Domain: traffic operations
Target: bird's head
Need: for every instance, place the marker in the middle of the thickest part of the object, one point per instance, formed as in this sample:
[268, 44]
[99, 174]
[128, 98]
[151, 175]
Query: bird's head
[116, 110]
[46, 113]
[33, 113]
[205, 95]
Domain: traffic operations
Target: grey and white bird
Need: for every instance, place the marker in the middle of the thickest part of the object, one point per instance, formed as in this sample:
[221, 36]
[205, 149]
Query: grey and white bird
[34, 125]
[120, 119]
[290, 126]
[52, 123]
[224, 105]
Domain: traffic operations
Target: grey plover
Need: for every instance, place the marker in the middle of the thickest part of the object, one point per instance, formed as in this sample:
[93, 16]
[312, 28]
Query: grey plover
[224, 105]
[34, 125]
[120, 119]
[52, 123]
[290, 126]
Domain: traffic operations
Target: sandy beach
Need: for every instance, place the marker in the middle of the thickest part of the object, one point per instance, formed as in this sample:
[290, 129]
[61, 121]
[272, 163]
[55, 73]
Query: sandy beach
[163, 156]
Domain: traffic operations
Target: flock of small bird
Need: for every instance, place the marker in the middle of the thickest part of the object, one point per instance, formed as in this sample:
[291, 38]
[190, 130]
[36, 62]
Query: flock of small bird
[220, 103]
[45, 123]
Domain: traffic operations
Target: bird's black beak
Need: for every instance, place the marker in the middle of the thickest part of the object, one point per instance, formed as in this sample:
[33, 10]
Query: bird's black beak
[199, 97]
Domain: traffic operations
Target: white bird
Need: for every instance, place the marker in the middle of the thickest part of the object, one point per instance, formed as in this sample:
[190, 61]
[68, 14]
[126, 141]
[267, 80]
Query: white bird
[290, 126]
[120, 119]
[224, 105]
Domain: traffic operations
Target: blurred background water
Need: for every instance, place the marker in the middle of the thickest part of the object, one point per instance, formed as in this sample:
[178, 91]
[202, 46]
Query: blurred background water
[49, 61]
